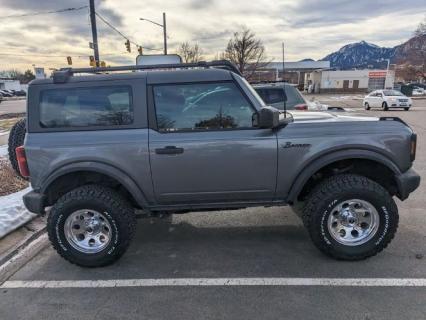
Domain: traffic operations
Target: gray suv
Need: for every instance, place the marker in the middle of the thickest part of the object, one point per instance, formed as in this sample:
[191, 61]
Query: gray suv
[197, 137]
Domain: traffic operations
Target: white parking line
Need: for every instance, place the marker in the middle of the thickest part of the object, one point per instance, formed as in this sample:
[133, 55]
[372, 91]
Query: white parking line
[202, 282]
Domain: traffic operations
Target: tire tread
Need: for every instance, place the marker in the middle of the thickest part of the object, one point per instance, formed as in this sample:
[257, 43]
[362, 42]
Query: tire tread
[336, 184]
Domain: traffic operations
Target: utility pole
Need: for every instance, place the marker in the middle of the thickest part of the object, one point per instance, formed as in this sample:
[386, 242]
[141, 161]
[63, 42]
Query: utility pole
[285, 94]
[165, 33]
[94, 31]
[283, 63]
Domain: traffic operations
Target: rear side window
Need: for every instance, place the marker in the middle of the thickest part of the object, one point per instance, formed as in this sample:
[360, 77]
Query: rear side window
[86, 107]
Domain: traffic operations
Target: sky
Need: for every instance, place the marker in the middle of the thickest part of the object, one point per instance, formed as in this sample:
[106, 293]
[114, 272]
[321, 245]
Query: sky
[309, 28]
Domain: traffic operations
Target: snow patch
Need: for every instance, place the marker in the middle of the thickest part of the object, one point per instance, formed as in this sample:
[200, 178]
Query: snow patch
[13, 213]
[3, 150]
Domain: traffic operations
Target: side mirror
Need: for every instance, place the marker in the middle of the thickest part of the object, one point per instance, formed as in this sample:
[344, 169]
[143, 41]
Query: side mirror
[267, 118]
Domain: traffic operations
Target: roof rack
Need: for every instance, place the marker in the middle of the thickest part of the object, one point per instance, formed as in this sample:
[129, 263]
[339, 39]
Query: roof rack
[63, 74]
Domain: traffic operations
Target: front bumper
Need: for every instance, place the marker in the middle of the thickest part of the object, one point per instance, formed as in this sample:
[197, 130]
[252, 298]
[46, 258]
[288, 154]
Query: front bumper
[35, 202]
[407, 182]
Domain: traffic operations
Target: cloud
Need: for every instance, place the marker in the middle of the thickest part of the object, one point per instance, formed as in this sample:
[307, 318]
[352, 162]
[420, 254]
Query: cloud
[309, 28]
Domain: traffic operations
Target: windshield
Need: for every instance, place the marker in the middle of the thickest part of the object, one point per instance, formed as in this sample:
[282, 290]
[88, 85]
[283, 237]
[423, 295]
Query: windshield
[392, 93]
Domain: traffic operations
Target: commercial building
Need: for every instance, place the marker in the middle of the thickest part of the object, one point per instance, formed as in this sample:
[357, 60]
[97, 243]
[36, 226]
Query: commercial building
[348, 81]
[9, 84]
[294, 72]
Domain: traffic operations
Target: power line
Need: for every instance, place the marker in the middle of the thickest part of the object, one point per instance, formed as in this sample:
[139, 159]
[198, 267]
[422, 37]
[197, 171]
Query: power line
[121, 34]
[43, 12]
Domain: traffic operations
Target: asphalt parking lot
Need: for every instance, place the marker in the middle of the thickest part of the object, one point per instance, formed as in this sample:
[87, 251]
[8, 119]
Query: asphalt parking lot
[257, 263]
[12, 106]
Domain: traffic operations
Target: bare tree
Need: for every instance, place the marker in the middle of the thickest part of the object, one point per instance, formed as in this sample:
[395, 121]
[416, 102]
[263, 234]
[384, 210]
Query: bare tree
[25, 77]
[190, 53]
[247, 52]
[421, 28]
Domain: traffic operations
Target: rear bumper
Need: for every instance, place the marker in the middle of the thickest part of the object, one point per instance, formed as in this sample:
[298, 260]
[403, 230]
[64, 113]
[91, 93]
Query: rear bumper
[34, 202]
[407, 183]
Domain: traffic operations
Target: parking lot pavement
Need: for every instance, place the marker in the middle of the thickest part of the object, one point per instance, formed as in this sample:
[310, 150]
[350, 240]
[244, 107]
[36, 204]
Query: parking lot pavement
[13, 106]
[237, 251]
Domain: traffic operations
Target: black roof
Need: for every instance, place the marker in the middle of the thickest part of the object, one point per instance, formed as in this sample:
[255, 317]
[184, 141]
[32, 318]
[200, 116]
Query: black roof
[200, 71]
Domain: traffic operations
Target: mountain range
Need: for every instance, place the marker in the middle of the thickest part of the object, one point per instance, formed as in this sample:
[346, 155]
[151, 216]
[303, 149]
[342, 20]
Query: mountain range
[367, 55]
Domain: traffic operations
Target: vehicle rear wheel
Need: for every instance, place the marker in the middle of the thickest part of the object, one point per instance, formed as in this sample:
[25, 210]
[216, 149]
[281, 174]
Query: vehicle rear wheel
[16, 139]
[367, 106]
[385, 106]
[350, 217]
[91, 226]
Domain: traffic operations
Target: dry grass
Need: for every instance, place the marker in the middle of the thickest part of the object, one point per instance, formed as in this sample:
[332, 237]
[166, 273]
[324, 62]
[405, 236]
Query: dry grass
[6, 124]
[12, 115]
[10, 182]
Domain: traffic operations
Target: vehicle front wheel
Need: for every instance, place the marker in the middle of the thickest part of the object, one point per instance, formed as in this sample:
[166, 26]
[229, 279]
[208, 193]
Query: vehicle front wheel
[406, 109]
[367, 106]
[350, 217]
[91, 226]
[385, 106]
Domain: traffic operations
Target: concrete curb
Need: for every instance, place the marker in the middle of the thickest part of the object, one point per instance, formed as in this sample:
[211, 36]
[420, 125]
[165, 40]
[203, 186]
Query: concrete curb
[22, 253]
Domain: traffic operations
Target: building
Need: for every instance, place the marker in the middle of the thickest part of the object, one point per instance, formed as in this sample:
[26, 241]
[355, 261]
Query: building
[348, 81]
[9, 84]
[294, 72]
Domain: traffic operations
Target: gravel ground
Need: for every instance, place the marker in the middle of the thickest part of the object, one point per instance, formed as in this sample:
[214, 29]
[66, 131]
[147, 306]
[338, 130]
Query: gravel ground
[10, 181]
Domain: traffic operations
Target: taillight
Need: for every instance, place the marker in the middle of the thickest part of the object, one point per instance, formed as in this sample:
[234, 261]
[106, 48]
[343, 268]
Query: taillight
[413, 147]
[22, 161]
[301, 107]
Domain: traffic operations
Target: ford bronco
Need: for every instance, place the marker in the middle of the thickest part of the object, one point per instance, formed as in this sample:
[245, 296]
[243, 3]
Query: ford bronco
[103, 142]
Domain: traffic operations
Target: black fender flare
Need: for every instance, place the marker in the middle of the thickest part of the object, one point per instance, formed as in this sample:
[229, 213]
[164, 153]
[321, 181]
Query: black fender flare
[324, 160]
[102, 168]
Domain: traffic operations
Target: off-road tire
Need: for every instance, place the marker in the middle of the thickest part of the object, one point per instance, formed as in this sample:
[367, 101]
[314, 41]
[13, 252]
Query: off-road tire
[344, 187]
[114, 207]
[367, 106]
[385, 106]
[16, 139]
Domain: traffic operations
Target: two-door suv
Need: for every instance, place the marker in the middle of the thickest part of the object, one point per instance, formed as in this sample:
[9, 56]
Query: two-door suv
[197, 137]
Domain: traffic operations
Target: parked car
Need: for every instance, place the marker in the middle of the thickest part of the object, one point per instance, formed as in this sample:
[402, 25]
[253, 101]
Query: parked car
[275, 94]
[386, 99]
[418, 91]
[20, 93]
[166, 141]
[6, 93]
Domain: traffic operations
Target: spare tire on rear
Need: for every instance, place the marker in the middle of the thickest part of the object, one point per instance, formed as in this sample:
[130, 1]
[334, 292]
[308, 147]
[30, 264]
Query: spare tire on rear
[16, 139]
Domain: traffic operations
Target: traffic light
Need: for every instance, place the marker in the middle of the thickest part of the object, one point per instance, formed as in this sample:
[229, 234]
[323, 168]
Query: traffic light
[92, 61]
[140, 50]
[103, 64]
[127, 43]
[69, 60]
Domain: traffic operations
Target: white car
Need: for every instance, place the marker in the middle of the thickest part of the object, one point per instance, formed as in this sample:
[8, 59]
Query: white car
[418, 91]
[386, 99]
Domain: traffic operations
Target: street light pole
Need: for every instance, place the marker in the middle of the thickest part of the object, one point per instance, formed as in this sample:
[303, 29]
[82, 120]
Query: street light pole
[164, 26]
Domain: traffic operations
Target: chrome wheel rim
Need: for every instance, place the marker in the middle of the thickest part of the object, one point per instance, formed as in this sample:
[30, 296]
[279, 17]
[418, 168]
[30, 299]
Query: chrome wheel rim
[353, 222]
[87, 231]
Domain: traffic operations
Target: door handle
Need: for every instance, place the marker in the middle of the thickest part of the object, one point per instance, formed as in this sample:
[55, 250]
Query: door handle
[169, 150]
